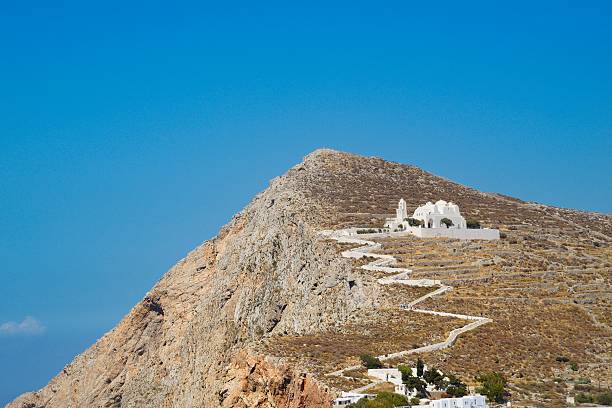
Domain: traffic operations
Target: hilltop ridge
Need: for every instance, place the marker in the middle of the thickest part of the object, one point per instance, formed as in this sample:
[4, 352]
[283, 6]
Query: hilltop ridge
[223, 327]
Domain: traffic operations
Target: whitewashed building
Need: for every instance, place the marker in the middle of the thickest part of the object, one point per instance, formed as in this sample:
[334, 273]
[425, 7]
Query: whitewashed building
[401, 215]
[439, 219]
[347, 398]
[469, 401]
[433, 214]
[391, 375]
[394, 376]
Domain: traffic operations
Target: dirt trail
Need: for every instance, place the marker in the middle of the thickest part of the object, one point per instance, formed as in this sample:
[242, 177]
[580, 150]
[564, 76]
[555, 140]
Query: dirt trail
[383, 263]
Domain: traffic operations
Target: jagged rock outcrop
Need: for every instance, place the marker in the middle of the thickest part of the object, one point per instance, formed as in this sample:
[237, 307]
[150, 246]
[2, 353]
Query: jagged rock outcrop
[256, 382]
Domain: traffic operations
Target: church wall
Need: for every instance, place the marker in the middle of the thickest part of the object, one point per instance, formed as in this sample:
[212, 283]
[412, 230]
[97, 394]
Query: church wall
[459, 233]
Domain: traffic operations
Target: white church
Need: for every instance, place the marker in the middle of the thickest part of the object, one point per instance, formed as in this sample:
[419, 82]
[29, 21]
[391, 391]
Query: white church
[439, 219]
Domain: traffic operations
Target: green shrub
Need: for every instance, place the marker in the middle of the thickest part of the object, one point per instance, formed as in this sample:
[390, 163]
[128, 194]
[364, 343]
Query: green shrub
[405, 370]
[382, 400]
[584, 398]
[456, 388]
[574, 366]
[365, 403]
[493, 385]
[368, 231]
[369, 361]
[456, 392]
[446, 222]
[413, 222]
[391, 398]
[604, 398]
[472, 224]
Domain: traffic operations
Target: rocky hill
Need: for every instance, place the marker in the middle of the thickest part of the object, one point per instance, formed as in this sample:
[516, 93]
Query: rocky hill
[256, 316]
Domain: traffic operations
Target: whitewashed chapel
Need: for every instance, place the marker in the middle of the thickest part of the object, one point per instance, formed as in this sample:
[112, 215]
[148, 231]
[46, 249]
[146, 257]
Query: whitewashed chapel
[442, 219]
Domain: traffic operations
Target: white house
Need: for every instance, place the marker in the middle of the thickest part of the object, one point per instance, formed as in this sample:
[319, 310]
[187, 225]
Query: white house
[392, 375]
[347, 398]
[469, 401]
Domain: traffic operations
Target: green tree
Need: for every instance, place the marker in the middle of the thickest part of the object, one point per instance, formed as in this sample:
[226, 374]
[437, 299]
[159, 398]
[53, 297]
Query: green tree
[366, 403]
[420, 366]
[446, 222]
[432, 376]
[456, 388]
[411, 382]
[382, 400]
[370, 361]
[405, 370]
[415, 383]
[493, 385]
[395, 400]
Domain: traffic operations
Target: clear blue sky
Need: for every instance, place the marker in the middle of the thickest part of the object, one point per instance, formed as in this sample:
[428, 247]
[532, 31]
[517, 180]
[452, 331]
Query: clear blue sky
[129, 133]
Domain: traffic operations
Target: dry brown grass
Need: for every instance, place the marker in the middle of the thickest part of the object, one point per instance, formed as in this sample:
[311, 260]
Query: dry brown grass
[548, 287]
[376, 332]
[548, 296]
[382, 387]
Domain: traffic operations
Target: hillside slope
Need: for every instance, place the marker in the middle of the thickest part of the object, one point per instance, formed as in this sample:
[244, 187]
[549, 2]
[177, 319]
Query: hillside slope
[236, 323]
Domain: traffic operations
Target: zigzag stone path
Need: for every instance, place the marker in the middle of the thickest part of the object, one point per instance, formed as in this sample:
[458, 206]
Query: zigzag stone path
[383, 263]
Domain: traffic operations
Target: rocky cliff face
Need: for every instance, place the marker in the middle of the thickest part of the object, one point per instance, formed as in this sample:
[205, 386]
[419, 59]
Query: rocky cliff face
[201, 337]
[188, 342]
